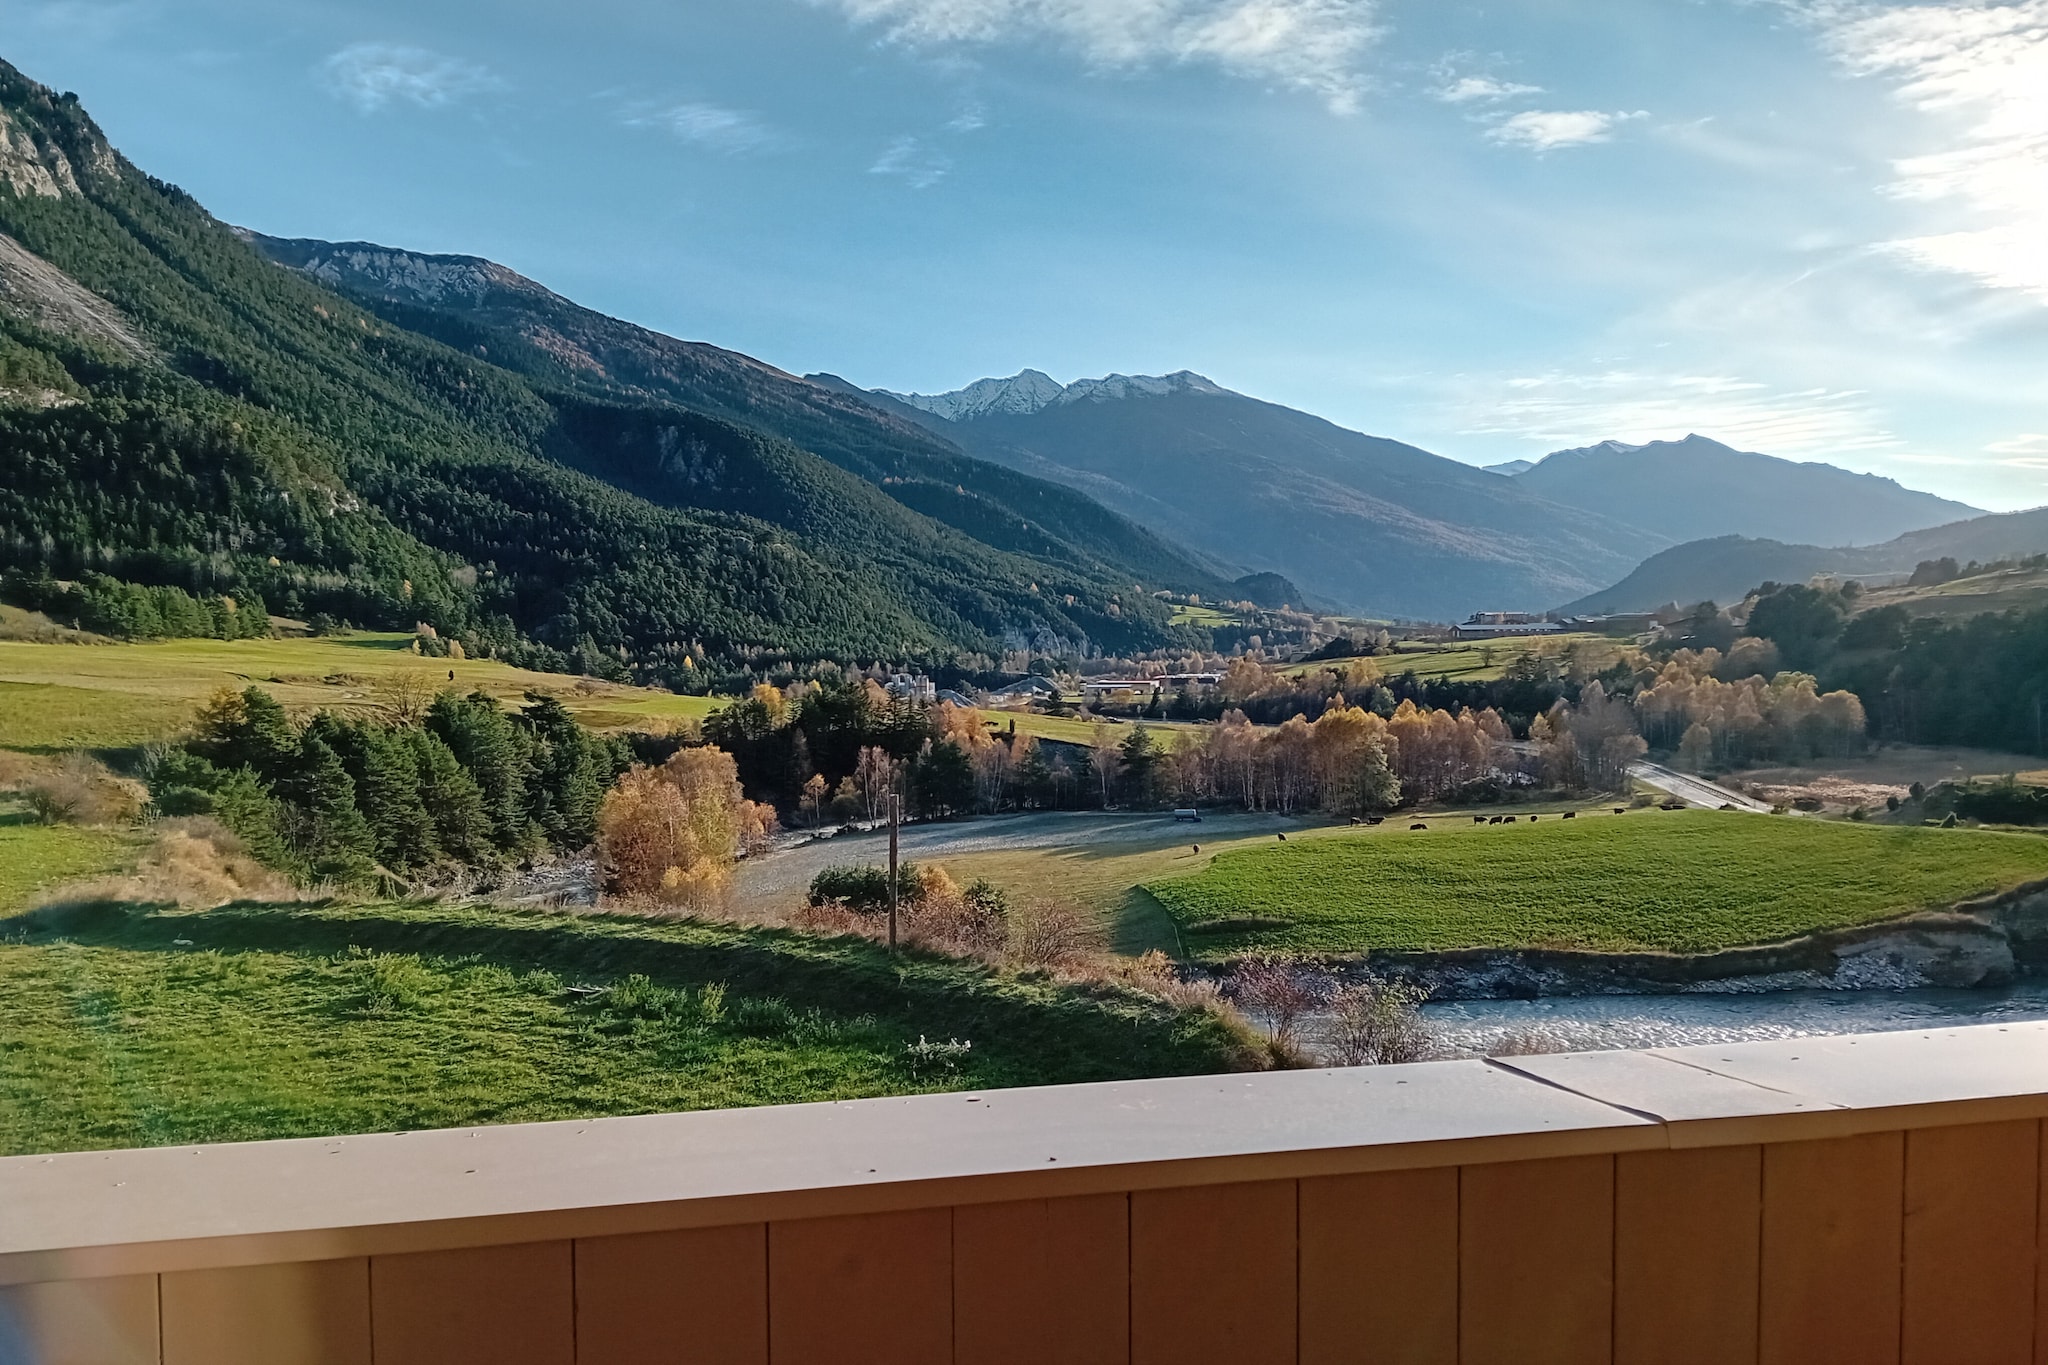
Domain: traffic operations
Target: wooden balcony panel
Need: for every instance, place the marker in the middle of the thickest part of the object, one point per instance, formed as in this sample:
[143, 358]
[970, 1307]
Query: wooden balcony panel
[694, 1297]
[1971, 1231]
[110, 1321]
[500, 1305]
[1043, 1279]
[1536, 1262]
[1214, 1274]
[1379, 1268]
[872, 1289]
[299, 1313]
[1832, 1250]
[1687, 1240]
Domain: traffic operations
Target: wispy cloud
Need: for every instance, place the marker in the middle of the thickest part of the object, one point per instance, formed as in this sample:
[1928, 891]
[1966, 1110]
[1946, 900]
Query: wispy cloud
[2028, 450]
[1481, 90]
[918, 165]
[711, 126]
[374, 75]
[972, 119]
[1982, 70]
[1546, 130]
[1566, 409]
[1309, 45]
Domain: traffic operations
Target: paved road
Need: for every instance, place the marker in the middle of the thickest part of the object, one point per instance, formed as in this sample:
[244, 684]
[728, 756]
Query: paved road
[1694, 790]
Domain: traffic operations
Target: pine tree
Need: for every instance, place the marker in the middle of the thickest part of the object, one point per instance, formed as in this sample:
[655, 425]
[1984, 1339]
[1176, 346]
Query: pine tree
[330, 831]
[497, 755]
[451, 799]
[388, 794]
[571, 771]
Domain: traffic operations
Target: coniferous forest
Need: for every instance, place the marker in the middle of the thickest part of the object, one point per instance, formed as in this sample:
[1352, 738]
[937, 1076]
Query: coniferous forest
[181, 412]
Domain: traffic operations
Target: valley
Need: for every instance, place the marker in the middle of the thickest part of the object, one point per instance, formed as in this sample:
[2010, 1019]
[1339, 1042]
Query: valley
[428, 701]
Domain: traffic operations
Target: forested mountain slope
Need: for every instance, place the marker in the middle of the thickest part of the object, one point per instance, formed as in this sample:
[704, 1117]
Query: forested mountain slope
[1370, 524]
[488, 310]
[174, 408]
[1697, 488]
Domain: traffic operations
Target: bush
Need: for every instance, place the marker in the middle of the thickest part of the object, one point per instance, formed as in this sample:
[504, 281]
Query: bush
[864, 889]
[1378, 1022]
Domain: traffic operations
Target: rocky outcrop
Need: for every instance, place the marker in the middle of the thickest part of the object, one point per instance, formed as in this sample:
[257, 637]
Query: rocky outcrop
[1984, 942]
[46, 296]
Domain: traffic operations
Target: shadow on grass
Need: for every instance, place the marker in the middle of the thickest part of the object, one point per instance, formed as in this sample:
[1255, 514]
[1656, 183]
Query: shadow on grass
[1052, 1030]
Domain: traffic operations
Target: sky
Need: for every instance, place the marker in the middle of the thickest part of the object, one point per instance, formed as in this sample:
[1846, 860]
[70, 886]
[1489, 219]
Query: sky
[1816, 228]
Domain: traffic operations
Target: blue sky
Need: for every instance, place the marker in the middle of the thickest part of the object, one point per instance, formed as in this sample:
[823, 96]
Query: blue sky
[1817, 228]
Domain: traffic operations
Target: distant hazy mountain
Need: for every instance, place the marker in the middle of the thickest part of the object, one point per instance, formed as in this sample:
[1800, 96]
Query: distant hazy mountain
[1511, 467]
[1698, 488]
[1370, 524]
[492, 312]
[1725, 568]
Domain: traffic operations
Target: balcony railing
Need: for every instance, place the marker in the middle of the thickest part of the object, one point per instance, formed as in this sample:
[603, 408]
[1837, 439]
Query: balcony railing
[1859, 1199]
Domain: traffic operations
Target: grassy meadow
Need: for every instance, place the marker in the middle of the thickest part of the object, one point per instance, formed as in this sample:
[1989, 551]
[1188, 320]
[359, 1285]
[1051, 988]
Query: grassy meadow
[35, 857]
[127, 1026]
[1692, 881]
[68, 696]
[1479, 660]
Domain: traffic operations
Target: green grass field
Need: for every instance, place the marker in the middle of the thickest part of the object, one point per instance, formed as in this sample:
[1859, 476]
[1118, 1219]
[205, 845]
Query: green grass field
[1077, 729]
[34, 858]
[125, 1027]
[1684, 882]
[66, 696]
[1477, 660]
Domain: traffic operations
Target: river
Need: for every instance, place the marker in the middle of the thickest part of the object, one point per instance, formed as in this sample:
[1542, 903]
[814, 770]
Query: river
[1580, 1023]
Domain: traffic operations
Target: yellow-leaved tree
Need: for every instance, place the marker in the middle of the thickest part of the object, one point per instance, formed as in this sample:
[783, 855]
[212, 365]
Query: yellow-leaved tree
[673, 833]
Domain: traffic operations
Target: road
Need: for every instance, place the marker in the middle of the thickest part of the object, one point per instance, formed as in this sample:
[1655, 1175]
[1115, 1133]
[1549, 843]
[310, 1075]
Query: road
[1695, 791]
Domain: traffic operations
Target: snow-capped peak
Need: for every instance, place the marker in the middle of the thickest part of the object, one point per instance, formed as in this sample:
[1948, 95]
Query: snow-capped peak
[1030, 391]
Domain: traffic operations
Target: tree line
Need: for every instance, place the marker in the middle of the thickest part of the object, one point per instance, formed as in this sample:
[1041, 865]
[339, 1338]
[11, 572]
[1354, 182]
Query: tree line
[461, 781]
[130, 611]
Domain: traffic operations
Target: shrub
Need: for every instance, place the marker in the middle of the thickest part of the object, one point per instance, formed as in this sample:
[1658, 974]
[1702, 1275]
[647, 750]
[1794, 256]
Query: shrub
[1377, 1022]
[1279, 990]
[864, 889]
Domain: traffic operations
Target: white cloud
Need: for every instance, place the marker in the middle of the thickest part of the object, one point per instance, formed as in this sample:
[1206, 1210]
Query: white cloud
[2028, 450]
[373, 75]
[1544, 130]
[972, 119]
[1565, 409]
[1980, 72]
[1482, 89]
[919, 166]
[707, 125]
[1309, 45]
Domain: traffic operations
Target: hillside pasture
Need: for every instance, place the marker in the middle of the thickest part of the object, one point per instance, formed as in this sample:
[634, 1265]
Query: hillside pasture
[1682, 882]
[67, 696]
[1479, 660]
[34, 858]
[131, 1027]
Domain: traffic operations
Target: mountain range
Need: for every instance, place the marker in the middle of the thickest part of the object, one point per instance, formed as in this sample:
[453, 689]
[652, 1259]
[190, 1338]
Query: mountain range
[1723, 569]
[394, 437]
[1381, 527]
[447, 443]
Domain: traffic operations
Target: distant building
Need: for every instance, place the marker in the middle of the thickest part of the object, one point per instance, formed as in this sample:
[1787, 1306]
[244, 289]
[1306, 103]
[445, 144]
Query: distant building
[958, 699]
[1504, 625]
[1621, 623]
[911, 687]
[1167, 682]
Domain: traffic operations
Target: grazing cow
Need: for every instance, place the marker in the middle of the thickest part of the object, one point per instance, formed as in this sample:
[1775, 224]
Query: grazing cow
[1569, 814]
[1283, 838]
[1375, 819]
[1478, 819]
[1621, 810]
[1494, 821]
[1509, 819]
[1198, 848]
[1533, 819]
[1356, 821]
[1413, 828]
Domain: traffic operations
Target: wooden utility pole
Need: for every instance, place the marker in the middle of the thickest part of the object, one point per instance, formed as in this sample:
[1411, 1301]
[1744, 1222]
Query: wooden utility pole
[895, 818]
